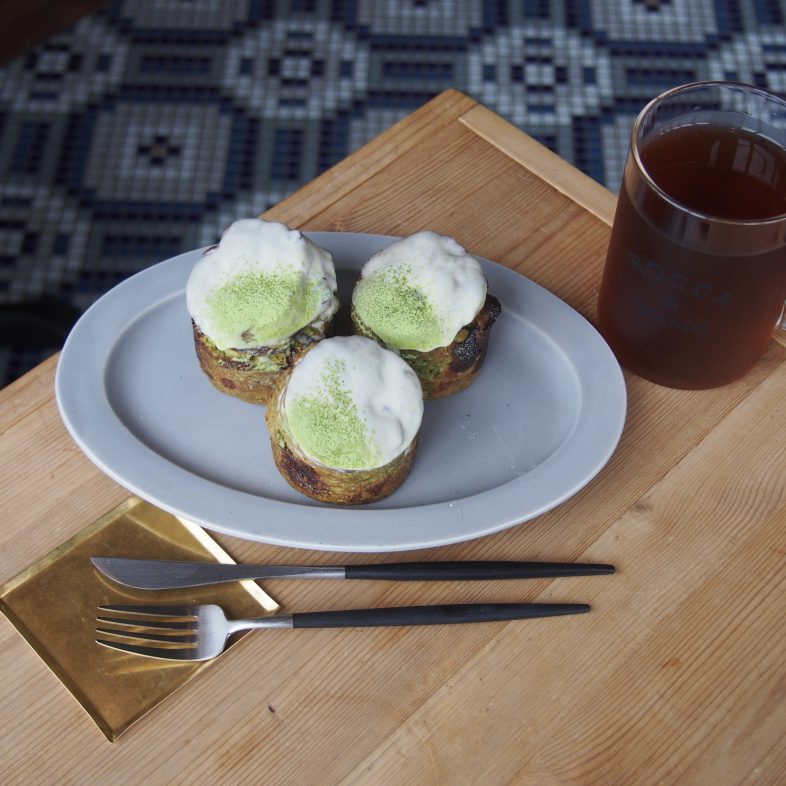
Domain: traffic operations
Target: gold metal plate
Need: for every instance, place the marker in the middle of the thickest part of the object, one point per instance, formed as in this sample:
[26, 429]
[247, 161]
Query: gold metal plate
[53, 605]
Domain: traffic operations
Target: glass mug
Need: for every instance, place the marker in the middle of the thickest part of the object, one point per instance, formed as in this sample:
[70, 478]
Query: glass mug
[695, 277]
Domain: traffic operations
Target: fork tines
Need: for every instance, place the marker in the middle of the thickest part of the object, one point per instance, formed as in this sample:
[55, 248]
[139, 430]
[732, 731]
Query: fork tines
[169, 632]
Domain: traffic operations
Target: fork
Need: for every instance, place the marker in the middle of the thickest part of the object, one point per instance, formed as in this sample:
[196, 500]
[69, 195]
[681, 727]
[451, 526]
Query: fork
[201, 632]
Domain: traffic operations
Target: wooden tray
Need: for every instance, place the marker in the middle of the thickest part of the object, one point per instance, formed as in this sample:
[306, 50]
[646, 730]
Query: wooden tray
[677, 674]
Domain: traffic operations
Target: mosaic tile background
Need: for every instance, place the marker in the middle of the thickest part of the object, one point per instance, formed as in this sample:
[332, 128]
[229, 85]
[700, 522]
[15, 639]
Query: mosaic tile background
[144, 129]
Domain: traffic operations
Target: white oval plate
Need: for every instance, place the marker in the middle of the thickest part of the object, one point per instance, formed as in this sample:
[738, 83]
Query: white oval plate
[542, 418]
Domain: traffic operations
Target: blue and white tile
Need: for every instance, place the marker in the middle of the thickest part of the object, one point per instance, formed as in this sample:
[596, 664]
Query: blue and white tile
[665, 21]
[420, 17]
[757, 58]
[66, 71]
[297, 68]
[183, 15]
[39, 223]
[540, 74]
[244, 206]
[164, 153]
[615, 135]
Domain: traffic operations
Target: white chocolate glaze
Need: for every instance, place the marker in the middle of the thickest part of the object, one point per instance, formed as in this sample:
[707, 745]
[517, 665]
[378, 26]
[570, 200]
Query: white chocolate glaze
[418, 292]
[351, 404]
[260, 285]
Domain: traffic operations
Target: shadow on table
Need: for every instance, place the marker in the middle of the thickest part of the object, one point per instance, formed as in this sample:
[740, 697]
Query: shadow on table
[30, 332]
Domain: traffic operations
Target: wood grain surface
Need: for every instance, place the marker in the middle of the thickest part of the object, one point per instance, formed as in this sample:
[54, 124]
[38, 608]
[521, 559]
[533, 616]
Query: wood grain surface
[678, 676]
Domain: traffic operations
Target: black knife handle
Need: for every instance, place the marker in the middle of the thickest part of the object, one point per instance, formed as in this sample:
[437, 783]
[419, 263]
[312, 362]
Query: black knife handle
[433, 615]
[472, 571]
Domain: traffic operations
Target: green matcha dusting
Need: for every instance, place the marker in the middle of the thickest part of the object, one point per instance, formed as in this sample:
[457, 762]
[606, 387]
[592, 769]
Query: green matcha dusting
[328, 427]
[399, 314]
[264, 307]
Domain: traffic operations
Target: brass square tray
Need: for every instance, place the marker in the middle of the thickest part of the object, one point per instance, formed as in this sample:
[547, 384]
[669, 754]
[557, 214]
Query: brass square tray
[53, 605]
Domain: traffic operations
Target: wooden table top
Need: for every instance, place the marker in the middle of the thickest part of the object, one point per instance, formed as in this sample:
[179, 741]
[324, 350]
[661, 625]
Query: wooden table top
[678, 674]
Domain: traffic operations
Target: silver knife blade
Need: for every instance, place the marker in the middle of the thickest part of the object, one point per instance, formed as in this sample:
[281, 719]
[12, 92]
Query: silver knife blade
[157, 574]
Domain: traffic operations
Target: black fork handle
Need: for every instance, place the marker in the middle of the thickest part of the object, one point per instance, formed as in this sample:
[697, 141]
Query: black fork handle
[473, 570]
[433, 615]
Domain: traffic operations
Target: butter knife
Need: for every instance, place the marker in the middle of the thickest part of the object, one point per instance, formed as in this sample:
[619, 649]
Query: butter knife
[154, 574]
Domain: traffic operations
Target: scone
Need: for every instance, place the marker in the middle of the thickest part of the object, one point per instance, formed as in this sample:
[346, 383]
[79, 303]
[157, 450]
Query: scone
[344, 421]
[426, 298]
[256, 300]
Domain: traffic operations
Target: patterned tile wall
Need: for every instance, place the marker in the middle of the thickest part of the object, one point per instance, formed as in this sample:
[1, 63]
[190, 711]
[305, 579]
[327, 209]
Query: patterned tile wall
[147, 127]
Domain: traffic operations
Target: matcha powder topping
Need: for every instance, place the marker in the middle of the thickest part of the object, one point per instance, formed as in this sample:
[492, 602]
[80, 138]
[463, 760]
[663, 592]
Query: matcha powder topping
[401, 315]
[329, 428]
[264, 307]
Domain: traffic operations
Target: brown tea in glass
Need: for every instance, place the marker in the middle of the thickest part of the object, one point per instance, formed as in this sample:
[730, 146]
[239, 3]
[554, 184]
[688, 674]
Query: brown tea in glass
[695, 277]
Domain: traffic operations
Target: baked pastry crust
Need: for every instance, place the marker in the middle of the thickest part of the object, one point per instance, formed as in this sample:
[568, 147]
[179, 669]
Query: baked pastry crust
[447, 370]
[252, 374]
[329, 484]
